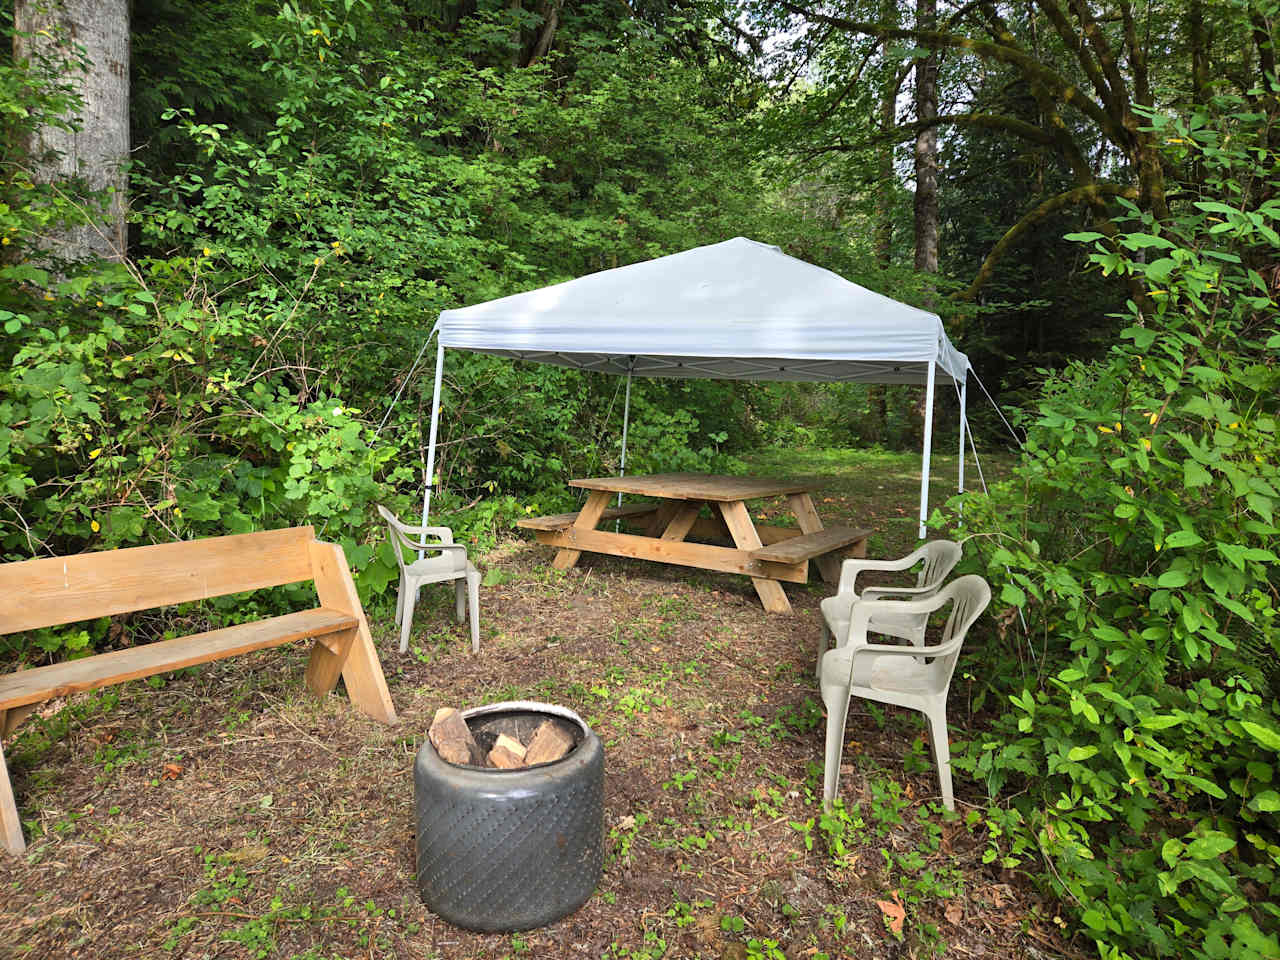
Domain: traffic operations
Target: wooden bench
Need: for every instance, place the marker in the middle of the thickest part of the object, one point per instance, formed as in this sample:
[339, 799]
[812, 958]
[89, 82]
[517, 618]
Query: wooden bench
[810, 545]
[59, 590]
[562, 521]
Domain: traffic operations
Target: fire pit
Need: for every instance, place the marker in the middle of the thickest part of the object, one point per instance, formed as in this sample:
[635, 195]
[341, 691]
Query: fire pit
[511, 849]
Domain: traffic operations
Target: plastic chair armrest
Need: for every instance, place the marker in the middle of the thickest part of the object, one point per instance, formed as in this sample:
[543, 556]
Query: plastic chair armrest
[880, 593]
[443, 533]
[439, 546]
[850, 569]
[863, 611]
[937, 650]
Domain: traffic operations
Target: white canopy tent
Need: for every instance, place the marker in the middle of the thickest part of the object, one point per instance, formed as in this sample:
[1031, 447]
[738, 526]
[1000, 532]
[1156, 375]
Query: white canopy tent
[737, 310]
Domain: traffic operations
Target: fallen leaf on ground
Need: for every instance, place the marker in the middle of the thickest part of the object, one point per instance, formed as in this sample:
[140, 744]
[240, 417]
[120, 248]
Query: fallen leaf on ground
[954, 913]
[251, 853]
[894, 912]
[171, 771]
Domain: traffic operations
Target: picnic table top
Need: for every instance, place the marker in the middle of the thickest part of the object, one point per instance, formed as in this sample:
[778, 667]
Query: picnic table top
[696, 486]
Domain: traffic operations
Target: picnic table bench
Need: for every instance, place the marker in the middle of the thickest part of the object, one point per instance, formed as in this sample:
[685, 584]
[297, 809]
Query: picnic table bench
[54, 591]
[673, 525]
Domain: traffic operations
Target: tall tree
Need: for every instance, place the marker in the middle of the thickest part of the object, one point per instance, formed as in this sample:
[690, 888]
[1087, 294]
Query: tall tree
[1096, 69]
[926, 152]
[90, 149]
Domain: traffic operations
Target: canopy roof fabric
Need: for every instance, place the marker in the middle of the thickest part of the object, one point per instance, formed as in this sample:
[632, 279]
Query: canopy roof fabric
[737, 310]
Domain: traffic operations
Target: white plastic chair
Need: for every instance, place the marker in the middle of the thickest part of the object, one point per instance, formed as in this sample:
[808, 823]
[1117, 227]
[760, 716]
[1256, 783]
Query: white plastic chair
[938, 558]
[917, 677]
[444, 560]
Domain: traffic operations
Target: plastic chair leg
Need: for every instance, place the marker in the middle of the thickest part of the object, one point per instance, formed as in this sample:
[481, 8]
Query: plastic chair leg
[400, 601]
[459, 599]
[473, 591]
[824, 642]
[410, 601]
[941, 753]
[836, 698]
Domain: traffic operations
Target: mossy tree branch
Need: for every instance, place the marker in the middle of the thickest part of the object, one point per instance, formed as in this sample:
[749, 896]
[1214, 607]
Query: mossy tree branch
[1093, 193]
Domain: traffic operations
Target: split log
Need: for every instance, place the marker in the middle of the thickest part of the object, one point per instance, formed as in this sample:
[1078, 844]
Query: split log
[504, 759]
[452, 738]
[511, 744]
[550, 742]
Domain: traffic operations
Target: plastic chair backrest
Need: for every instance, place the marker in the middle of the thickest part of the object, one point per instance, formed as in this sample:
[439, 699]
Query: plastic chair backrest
[400, 533]
[940, 558]
[969, 596]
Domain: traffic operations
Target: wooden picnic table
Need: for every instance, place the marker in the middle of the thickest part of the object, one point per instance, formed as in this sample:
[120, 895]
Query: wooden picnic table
[673, 525]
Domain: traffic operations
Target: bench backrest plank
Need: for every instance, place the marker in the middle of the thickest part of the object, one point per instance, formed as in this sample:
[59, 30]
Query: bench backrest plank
[52, 591]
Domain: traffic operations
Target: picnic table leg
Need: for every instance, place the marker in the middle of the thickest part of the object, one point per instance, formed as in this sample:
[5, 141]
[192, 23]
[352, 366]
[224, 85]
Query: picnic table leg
[738, 520]
[660, 519]
[685, 517]
[807, 516]
[588, 517]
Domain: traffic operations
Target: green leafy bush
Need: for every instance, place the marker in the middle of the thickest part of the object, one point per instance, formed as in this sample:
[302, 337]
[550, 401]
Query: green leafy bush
[1138, 539]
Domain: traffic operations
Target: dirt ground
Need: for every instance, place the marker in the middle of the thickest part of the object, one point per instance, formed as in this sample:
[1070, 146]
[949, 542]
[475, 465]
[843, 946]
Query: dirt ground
[222, 812]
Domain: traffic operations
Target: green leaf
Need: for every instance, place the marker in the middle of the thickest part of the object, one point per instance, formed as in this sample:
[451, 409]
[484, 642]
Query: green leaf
[1266, 802]
[1194, 475]
[1269, 737]
[1159, 271]
[1213, 844]
[1012, 595]
[1260, 505]
[1183, 538]
[1172, 579]
[1212, 789]
[1077, 754]
[1094, 919]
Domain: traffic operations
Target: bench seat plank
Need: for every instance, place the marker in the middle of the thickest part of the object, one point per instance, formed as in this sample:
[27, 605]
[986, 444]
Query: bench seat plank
[810, 545]
[60, 679]
[562, 521]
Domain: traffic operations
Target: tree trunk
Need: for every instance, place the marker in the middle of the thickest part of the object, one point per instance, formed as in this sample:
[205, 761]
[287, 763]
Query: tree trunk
[884, 169]
[878, 393]
[926, 203]
[95, 151]
[1199, 52]
[550, 22]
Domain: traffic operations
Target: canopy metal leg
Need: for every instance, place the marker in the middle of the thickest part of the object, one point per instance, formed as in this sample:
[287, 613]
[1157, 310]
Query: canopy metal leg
[963, 424]
[622, 464]
[928, 443]
[626, 418]
[431, 442]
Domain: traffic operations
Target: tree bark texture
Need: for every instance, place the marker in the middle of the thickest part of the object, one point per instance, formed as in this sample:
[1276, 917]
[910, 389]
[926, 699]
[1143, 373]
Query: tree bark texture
[926, 158]
[96, 150]
[884, 152]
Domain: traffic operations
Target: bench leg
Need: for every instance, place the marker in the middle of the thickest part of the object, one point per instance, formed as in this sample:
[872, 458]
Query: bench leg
[362, 671]
[324, 668]
[12, 718]
[588, 519]
[10, 825]
[807, 517]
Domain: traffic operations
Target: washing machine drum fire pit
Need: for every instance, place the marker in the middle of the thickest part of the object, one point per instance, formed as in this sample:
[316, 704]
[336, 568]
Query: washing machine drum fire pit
[502, 850]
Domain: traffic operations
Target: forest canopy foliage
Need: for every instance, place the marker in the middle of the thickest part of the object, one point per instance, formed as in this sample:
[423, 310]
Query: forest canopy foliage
[314, 181]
